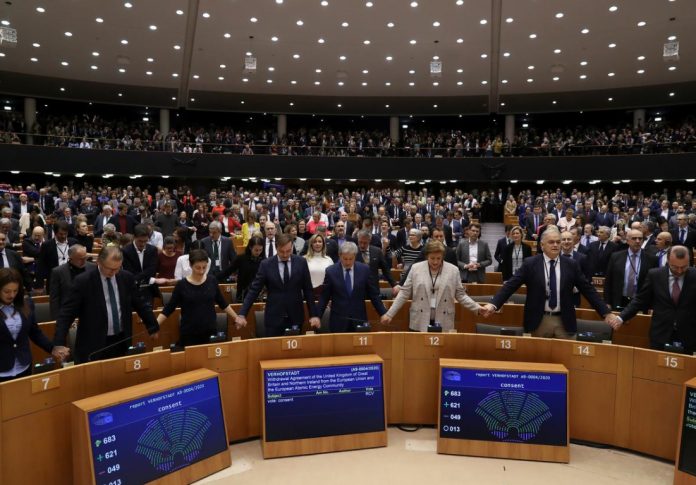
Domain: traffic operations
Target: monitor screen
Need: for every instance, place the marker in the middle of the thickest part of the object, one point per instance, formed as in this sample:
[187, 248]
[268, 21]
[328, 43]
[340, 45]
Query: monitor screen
[687, 455]
[140, 440]
[323, 401]
[504, 405]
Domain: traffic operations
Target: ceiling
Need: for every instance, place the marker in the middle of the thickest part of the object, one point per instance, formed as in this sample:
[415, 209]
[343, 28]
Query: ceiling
[497, 55]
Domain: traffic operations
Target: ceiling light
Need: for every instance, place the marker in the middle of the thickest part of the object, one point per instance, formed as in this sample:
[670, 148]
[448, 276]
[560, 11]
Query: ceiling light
[434, 106]
[128, 5]
[36, 44]
[532, 36]
[531, 68]
[253, 20]
[279, 2]
[390, 24]
[583, 63]
[62, 89]
[345, 24]
[484, 82]
[174, 74]
[292, 104]
[150, 59]
[483, 56]
[506, 54]
[611, 74]
[672, 68]
[269, 81]
[530, 80]
[153, 27]
[63, 63]
[249, 53]
[321, 41]
[642, 23]
[221, 78]
[270, 68]
[124, 41]
[671, 95]
[672, 38]
[121, 70]
[318, 71]
[68, 34]
[557, 51]
[610, 99]
[317, 83]
[149, 73]
[556, 78]
[460, 2]
[502, 104]
[293, 82]
[436, 24]
[459, 83]
[34, 59]
[364, 83]
[365, 71]
[585, 31]
[389, 58]
[640, 71]
[414, 4]
[93, 67]
[613, 8]
[612, 45]
[40, 9]
[460, 41]
[387, 83]
[509, 20]
[324, 3]
[554, 102]
[583, 76]
[300, 23]
[343, 58]
[99, 20]
[245, 80]
[641, 58]
[483, 21]
[460, 70]
[559, 15]
[366, 42]
[295, 56]
[180, 12]
[274, 39]
[120, 95]
[411, 71]
[339, 105]
[340, 83]
[504, 81]
[412, 41]
[205, 15]
[5, 22]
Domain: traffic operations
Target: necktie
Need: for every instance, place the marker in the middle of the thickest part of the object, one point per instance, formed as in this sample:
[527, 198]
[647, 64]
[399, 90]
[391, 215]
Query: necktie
[681, 236]
[216, 254]
[587, 240]
[601, 248]
[114, 307]
[349, 284]
[631, 285]
[366, 257]
[286, 273]
[536, 223]
[2, 259]
[659, 258]
[270, 248]
[553, 301]
[676, 291]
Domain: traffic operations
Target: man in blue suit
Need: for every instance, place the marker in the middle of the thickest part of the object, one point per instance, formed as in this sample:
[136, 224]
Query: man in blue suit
[347, 285]
[550, 279]
[286, 279]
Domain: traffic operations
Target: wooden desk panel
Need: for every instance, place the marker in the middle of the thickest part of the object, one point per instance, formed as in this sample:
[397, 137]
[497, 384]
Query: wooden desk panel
[379, 343]
[585, 356]
[592, 397]
[233, 388]
[655, 417]
[510, 315]
[222, 357]
[113, 374]
[663, 366]
[37, 353]
[525, 349]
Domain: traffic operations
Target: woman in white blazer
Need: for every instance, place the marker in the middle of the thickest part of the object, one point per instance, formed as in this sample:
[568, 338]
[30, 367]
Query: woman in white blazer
[434, 286]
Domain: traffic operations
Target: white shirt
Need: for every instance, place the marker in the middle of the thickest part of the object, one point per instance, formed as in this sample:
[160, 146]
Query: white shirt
[62, 252]
[109, 315]
[6, 263]
[156, 239]
[13, 322]
[473, 252]
[268, 245]
[183, 267]
[317, 269]
[558, 283]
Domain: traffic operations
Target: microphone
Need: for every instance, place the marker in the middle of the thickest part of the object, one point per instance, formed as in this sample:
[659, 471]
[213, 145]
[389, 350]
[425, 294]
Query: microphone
[89, 357]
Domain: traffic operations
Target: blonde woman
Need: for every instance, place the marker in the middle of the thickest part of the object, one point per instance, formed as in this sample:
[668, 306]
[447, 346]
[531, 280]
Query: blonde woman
[317, 261]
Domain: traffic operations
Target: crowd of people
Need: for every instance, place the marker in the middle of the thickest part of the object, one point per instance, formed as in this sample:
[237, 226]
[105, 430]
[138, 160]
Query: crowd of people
[95, 132]
[315, 247]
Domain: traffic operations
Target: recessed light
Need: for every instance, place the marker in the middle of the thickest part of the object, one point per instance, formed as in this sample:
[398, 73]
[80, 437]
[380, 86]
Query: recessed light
[93, 67]
[387, 83]
[641, 58]
[241, 102]
[321, 41]
[583, 76]
[390, 24]
[120, 95]
[412, 41]
[502, 104]
[128, 5]
[324, 3]
[612, 45]
[506, 54]
[509, 20]
[40, 9]
[149, 73]
[672, 38]
[386, 106]
[99, 20]
[434, 106]
[293, 82]
[642, 23]
[583, 63]
[483, 21]
[484, 82]
[124, 41]
[274, 39]
[63, 63]
[389, 58]
[221, 78]
[180, 12]
[554, 102]
[340, 83]
[318, 71]
[436, 24]
[34, 59]
[270, 68]
[173, 98]
[672, 68]
[150, 59]
[611, 74]
[557, 51]
[175, 74]
[153, 27]
[640, 71]
[68, 34]
[279, 2]
[613, 8]
[460, 70]
[366, 42]
[504, 81]
[339, 105]
[365, 71]
[411, 83]
[414, 4]
[610, 99]
[5, 22]
[121, 70]
[459, 83]
[36, 44]
[671, 95]
[317, 83]
[556, 78]
[483, 56]
[62, 89]
[269, 81]
[205, 15]
[585, 31]
[559, 15]
[342, 58]
[531, 68]
[345, 24]
[364, 83]
[532, 36]
[460, 2]
[530, 80]
[295, 56]
[245, 80]
[2, 54]
[249, 53]
[460, 41]
[299, 23]
[253, 20]
[411, 71]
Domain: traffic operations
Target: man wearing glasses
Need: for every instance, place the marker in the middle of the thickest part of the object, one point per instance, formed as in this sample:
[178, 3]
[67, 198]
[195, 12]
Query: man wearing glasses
[626, 271]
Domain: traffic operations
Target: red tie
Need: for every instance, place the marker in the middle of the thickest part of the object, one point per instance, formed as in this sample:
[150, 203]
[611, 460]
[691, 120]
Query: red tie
[676, 291]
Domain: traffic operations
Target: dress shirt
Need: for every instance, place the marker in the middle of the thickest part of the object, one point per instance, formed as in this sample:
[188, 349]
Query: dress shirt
[661, 260]
[156, 239]
[627, 269]
[680, 282]
[547, 264]
[13, 322]
[110, 319]
[5, 262]
[268, 245]
[62, 251]
[473, 252]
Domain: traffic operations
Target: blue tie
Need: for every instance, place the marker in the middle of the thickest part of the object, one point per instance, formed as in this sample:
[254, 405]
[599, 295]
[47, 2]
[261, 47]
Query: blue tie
[114, 306]
[349, 285]
[681, 236]
[553, 302]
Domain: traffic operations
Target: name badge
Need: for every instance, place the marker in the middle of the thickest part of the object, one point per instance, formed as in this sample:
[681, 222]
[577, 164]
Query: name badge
[433, 302]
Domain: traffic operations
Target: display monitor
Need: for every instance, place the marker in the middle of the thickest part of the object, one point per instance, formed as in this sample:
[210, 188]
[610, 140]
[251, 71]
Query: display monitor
[142, 439]
[313, 402]
[687, 447]
[506, 406]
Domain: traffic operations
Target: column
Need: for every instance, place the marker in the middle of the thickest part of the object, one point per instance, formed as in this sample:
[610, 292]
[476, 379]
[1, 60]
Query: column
[164, 122]
[510, 127]
[394, 128]
[282, 126]
[638, 118]
[29, 118]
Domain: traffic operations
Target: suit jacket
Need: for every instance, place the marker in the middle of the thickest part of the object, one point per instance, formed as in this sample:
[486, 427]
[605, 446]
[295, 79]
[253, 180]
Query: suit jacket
[87, 302]
[349, 309]
[418, 288]
[669, 320]
[450, 257]
[62, 279]
[616, 271]
[130, 223]
[48, 259]
[533, 274]
[484, 259]
[604, 220]
[16, 212]
[142, 274]
[507, 257]
[284, 301]
[377, 261]
[689, 241]
[30, 249]
[227, 253]
[599, 260]
[529, 225]
[15, 261]
[499, 247]
[11, 349]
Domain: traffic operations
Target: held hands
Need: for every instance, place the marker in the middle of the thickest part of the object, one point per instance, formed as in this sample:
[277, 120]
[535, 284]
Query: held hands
[315, 322]
[613, 321]
[385, 319]
[60, 353]
[240, 321]
[487, 310]
[395, 290]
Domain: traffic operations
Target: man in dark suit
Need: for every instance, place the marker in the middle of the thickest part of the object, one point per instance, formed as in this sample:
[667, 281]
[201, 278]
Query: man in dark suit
[45, 201]
[375, 259]
[600, 251]
[54, 252]
[347, 285]
[103, 300]
[22, 207]
[550, 279]
[663, 241]
[123, 222]
[219, 248]
[447, 230]
[269, 244]
[62, 277]
[287, 281]
[101, 220]
[500, 247]
[140, 259]
[11, 259]
[340, 236]
[670, 292]
[626, 271]
[684, 235]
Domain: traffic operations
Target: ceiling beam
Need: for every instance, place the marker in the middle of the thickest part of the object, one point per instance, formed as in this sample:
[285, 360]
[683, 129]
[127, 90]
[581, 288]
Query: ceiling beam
[182, 99]
[496, 25]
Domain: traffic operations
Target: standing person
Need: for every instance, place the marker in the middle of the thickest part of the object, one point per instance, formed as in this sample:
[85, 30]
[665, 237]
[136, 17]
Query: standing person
[549, 310]
[626, 271]
[54, 252]
[683, 234]
[104, 301]
[473, 256]
[10, 258]
[347, 285]
[670, 292]
[663, 241]
[140, 259]
[269, 248]
[246, 266]
[166, 221]
[183, 267]
[249, 227]
[317, 262]
[82, 234]
[501, 244]
[17, 327]
[287, 281]
[220, 249]
[196, 295]
[433, 286]
[63, 276]
[601, 250]
[514, 254]
[166, 263]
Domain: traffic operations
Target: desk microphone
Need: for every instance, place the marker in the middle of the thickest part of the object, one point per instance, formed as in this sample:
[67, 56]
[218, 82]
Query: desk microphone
[89, 357]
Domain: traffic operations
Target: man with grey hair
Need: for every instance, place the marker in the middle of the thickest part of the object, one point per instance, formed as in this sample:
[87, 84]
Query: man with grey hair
[347, 284]
[549, 310]
[219, 248]
[601, 250]
[102, 220]
[62, 277]
[626, 271]
[103, 300]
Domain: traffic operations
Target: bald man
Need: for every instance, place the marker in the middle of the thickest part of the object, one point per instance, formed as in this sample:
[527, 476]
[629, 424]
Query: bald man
[626, 271]
[663, 241]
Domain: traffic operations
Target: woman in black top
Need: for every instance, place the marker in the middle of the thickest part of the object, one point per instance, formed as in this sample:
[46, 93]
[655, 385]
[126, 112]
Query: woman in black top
[246, 266]
[196, 295]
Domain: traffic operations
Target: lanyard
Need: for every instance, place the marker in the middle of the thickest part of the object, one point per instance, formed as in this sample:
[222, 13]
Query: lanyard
[548, 275]
[433, 281]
